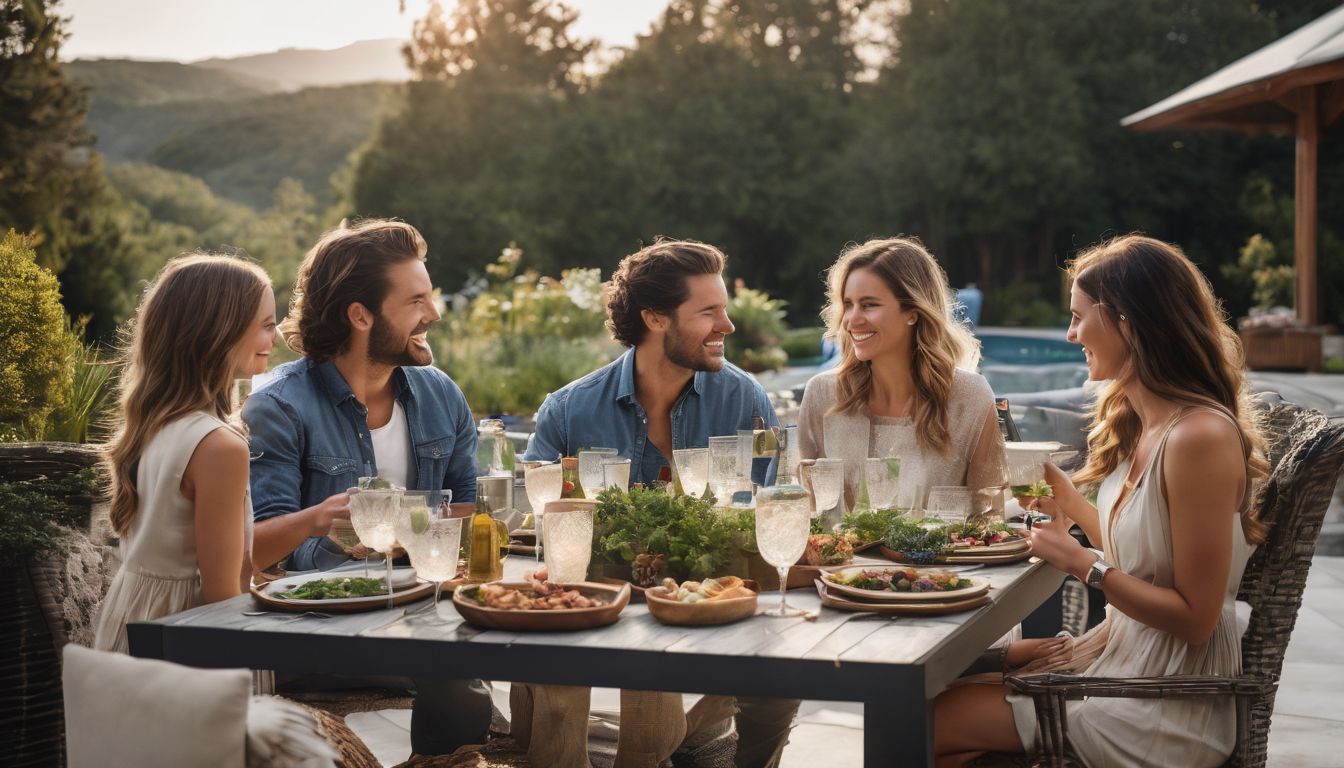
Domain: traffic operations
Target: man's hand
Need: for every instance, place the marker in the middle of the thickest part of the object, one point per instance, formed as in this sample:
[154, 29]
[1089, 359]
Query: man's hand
[324, 513]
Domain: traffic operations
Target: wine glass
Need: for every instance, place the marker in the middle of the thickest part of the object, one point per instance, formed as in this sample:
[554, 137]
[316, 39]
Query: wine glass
[590, 469]
[372, 514]
[544, 484]
[616, 474]
[569, 539]
[882, 476]
[783, 520]
[828, 483]
[723, 469]
[692, 470]
[431, 535]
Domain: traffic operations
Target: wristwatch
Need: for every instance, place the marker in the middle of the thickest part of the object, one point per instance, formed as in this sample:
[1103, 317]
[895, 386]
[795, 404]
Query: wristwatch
[1097, 572]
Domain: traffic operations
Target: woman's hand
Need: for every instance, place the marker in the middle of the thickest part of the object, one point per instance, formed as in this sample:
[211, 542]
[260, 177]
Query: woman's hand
[1052, 542]
[1047, 650]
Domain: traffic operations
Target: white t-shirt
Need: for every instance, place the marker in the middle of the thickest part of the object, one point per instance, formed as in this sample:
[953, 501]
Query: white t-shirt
[392, 448]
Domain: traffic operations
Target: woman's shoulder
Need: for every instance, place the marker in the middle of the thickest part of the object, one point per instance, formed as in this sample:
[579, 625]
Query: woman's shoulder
[969, 386]
[820, 389]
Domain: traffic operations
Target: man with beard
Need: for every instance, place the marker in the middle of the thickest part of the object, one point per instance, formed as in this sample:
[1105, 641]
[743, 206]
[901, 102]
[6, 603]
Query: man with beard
[364, 400]
[671, 389]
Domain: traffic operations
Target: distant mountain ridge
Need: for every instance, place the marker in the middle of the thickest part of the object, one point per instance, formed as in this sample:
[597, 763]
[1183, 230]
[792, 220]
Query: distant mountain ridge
[294, 68]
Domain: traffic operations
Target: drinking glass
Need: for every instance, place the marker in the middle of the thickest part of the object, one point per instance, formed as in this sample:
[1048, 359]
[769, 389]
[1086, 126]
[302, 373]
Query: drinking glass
[882, 476]
[616, 474]
[950, 503]
[723, 467]
[372, 514]
[431, 535]
[544, 483]
[569, 540]
[783, 520]
[828, 483]
[590, 468]
[692, 469]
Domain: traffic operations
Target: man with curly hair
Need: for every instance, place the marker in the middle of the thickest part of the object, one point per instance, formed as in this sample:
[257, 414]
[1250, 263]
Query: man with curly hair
[673, 388]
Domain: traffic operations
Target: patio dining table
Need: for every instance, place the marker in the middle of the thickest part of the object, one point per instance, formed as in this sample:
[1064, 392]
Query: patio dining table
[894, 666]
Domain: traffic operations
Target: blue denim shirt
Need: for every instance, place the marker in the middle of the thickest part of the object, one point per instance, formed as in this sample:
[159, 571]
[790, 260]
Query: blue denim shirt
[309, 438]
[600, 410]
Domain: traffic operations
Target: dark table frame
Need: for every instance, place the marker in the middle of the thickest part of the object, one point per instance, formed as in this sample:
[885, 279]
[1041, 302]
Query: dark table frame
[894, 667]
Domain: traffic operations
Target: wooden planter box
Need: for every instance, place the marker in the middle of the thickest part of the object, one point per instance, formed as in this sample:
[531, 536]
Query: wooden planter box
[1291, 349]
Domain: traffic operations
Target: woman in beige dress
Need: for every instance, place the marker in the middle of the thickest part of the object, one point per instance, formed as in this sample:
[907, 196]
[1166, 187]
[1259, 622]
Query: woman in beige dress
[1175, 449]
[178, 460]
[904, 386]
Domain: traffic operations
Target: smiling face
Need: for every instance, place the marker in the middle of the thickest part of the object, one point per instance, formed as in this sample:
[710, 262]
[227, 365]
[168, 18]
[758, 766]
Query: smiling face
[693, 337]
[1097, 329]
[255, 348]
[874, 319]
[401, 325]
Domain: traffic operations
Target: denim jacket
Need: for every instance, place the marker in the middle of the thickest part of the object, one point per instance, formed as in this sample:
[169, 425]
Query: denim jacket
[309, 439]
[600, 410]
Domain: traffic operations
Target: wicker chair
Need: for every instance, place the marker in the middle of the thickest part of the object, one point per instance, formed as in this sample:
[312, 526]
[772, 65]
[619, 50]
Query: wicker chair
[1306, 453]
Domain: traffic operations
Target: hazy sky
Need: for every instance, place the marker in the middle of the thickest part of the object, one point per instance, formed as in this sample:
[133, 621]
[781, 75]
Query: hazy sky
[186, 30]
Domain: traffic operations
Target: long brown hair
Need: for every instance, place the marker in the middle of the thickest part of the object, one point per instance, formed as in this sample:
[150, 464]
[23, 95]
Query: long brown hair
[348, 265]
[1180, 348]
[180, 357]
[941, 343]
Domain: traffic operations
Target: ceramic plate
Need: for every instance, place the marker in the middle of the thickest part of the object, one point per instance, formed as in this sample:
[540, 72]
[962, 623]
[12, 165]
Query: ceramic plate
[978, 587]
[405, 588]
[838, 602]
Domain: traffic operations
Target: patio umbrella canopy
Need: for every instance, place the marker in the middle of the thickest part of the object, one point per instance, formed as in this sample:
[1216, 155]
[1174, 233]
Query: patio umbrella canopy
[1293, 85]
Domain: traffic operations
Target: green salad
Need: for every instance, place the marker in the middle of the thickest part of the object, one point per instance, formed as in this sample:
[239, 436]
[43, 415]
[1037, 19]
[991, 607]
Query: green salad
[329, 589]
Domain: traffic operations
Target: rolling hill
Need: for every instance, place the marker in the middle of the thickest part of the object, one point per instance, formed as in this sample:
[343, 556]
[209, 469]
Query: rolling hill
[295, 68]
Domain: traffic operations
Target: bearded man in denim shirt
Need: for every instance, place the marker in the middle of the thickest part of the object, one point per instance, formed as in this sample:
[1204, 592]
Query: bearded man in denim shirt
[363, 401]
[671, 389]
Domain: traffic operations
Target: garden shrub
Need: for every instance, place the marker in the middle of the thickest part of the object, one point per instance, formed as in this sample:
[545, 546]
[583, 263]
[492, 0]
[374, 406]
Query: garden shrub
[36, 345]
[759, 319]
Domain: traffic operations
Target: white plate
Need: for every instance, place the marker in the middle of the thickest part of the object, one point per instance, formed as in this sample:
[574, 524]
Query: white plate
[402, 578]
[978, 586]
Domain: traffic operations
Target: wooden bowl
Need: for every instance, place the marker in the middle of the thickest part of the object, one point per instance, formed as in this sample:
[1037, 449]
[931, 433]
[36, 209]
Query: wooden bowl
[616, 598]
[667, 609]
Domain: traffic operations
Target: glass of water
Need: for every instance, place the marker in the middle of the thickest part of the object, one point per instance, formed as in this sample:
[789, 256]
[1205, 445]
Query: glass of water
[590, 469]
[431, 535]
[882, 476]
[783, 519]
[543, 483]
[828, 483]
[723, 468]
[373, 514]
[616, 474]
[569, 539]
[692, 469]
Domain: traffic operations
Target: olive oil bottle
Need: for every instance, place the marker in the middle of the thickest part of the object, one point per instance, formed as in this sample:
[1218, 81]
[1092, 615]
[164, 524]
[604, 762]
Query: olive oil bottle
[483, 562]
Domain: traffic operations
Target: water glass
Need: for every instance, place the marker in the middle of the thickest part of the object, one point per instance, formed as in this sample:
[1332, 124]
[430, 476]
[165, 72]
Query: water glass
[828, 483]
[431, 535]
[692, 470]
[590, 469]
[616, 474]
[373, 515]
[783, 520]
[568, 539]
[882, 476]
[723, 467]
[543, 484]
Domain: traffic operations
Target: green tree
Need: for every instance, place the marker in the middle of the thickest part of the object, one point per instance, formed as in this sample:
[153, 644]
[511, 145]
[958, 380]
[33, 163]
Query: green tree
[36, 345]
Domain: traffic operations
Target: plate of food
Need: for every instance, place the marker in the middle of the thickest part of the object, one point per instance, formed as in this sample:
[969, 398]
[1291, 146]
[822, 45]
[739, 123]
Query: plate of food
[904, 584]
[941, 608]
[340, 592]
[536, 605]
[702, 603]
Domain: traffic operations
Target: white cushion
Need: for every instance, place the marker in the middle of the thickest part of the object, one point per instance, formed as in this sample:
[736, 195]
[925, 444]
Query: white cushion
[121, 710]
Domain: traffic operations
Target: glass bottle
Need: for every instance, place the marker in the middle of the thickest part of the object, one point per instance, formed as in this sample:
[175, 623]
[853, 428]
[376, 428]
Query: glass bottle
[483, 562]
[572, 488]
[494, 451]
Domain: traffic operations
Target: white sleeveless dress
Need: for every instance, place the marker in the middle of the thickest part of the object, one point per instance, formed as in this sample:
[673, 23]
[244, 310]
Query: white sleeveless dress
[1190, 732]
[160, 574]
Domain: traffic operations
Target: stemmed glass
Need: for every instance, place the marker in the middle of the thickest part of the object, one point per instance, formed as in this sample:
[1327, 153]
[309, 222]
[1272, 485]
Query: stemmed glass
[569, 539]
[590, 469]
[544, 484]
[723, 468]
[372, 513]
[882, 476]
[828, 483]
[431, 535]
[616, 474]
[783, 519]
[692, 470]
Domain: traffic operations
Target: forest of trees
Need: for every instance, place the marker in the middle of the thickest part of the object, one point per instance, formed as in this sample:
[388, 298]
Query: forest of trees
[777, 129]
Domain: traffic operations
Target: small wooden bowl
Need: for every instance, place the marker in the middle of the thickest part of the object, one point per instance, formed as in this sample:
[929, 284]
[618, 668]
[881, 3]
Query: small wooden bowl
[669, 610]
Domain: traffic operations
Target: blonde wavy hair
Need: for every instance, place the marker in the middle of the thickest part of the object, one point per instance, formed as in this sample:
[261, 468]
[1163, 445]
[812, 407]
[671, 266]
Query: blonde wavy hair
[180, 354]
[1180, 348]
[941, 344]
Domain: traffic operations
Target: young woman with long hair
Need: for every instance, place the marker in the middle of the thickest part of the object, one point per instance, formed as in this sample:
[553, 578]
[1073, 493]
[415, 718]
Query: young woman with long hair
[903, 386]
[178, 460]
[1175, 449]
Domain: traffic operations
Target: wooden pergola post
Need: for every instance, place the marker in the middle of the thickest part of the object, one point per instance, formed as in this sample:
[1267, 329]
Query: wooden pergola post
[1304, 219]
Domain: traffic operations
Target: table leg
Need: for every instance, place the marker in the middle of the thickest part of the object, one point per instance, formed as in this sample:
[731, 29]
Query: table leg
[898, 730]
